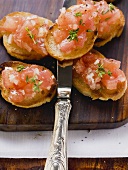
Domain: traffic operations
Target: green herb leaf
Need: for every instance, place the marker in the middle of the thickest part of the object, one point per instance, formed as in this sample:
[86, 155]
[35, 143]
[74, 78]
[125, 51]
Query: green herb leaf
[36, 87]
[109, 73]
[101, 71]
[89, 30]
[33, 79]
[27, 79]
[81, 22]
[78, 14]
[107, 19]
[73, 35]
[111, 7]
[30, 35]
[20, 68]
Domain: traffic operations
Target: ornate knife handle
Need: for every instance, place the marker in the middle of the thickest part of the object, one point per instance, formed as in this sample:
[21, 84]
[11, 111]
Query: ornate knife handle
[57, 158]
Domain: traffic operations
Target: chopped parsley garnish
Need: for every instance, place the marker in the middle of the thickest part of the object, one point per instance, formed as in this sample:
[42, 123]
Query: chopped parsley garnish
[20, 68]
[101, 71]
[81, 22]
[111, 7]
[36, 86]
[78, 14]
[33, 79]
[30, 35]
[89, 30]
[109, 73]
[27, 79]
[73, 35]
[107, 19]
[36, 83]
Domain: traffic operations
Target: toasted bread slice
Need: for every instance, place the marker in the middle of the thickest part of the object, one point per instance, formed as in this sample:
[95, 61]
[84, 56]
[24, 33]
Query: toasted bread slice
[13, 48]
[33, 99]
[18, 52]
[101, 93]
[111, 20]
[115, 28]
[54, 49]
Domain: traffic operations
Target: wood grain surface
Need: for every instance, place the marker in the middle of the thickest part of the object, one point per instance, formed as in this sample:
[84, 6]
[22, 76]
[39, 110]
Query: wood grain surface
[85, 114]
[74, 164]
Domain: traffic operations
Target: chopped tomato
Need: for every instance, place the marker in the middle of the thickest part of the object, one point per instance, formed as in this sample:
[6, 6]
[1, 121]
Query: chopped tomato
[67, 46]
[111, 82]
[5, 77]
[111, 64]
[60, 35]
[45, 79]
[16, 96]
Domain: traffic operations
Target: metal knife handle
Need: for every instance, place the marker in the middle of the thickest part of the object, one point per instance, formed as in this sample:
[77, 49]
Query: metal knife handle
[57, 158]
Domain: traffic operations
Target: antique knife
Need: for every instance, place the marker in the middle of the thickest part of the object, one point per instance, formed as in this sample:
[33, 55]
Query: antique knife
[57, 158]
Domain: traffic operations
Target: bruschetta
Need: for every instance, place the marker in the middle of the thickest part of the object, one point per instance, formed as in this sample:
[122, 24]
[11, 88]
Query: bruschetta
[24, 34]
[98, 77]
[111, 21]
[26, 85]
[74, 32]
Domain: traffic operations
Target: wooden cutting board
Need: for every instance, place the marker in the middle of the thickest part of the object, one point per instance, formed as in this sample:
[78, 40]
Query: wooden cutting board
[85, 114]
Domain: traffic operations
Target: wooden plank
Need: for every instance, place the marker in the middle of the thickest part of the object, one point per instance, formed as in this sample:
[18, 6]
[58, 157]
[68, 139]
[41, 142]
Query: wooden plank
[74, 164]
[85, 114]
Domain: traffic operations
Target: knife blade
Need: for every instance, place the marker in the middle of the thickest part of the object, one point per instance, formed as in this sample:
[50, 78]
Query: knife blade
[57, 157]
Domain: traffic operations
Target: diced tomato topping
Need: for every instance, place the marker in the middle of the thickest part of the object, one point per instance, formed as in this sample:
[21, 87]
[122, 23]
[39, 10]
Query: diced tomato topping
[16, 96]
[111, 82]
[5, 77]
[111, 64]
[67, 46]
[60, 35]
[45, 79]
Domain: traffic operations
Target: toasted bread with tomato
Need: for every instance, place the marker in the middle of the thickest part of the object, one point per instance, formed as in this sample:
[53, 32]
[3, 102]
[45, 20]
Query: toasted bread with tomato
[30, 46]
[53, 48]
[89, 85]
[21, 89]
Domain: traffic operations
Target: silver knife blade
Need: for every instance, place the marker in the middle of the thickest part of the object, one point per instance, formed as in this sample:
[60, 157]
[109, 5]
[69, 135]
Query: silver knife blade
[68, 3]
[57, 158]
[64, 78]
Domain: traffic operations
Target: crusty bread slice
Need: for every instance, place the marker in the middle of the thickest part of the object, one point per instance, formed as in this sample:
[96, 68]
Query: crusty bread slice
[39, 98]
[103, 93]
[20, 53]
[116, 30]
[54, 49]
[12, 47]
[55, 52]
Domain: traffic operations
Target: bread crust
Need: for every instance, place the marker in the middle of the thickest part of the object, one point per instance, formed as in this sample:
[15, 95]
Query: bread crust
[103, 93]
[40, 97]
[15, 50]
